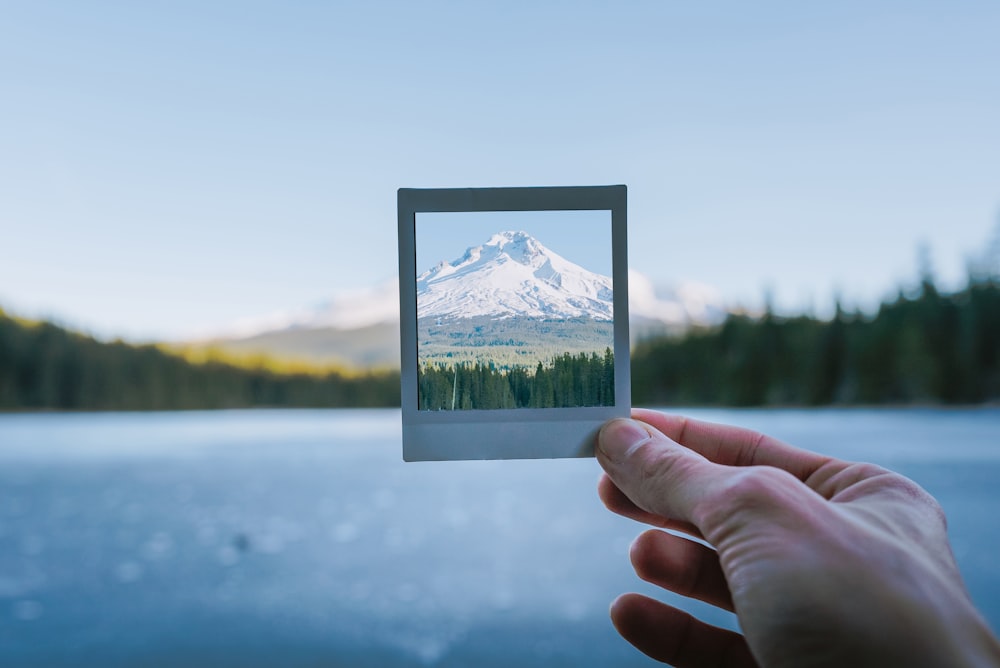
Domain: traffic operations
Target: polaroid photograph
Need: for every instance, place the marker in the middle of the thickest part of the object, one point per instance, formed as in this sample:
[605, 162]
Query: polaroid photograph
[514, 320]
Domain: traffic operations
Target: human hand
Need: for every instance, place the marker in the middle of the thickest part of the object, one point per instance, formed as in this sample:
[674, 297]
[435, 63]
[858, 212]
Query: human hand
[825, 562]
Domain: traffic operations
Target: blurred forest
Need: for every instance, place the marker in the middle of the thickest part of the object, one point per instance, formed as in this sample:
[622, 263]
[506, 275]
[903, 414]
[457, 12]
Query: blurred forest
[928, 347]
[43, 366]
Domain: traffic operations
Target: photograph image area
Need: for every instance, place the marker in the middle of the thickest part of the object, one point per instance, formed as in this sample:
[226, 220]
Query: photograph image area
[514, 310]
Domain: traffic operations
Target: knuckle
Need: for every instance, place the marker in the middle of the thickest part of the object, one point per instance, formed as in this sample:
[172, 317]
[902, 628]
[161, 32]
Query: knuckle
[866, 470]
[917, 495]
[658, 465]
[900, 484]
[661, 470]
[748, 448]
[747, 489]
[660, 473]
[755, 483]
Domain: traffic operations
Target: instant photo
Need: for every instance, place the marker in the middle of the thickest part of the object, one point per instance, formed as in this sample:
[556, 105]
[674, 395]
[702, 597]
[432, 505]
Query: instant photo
[513, 305]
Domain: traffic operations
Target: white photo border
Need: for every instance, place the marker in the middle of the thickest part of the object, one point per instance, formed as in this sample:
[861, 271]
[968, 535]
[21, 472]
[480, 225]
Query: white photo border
[515, 433]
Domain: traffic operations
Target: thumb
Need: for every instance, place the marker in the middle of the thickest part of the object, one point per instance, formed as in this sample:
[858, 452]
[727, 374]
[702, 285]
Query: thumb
[654, 472]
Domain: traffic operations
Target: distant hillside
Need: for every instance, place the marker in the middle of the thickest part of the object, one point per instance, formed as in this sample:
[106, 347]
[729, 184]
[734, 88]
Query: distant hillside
[43, 366]
[512, 342]
[370, 347]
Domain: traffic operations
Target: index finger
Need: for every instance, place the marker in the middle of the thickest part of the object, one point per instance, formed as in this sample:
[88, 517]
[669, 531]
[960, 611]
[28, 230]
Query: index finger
[733, 446]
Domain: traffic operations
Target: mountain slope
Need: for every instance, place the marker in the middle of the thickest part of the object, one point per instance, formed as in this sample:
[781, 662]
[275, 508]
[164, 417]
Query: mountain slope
[370, 347]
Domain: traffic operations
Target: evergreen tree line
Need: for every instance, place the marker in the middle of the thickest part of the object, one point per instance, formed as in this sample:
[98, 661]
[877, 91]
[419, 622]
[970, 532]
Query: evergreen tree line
[43, 366]
[568, 381]
[929, 348]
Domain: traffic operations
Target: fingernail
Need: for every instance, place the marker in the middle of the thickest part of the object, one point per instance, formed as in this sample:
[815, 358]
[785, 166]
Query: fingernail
[619, 436]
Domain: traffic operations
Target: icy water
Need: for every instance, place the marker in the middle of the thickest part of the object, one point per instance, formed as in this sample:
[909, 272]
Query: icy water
[300, 538]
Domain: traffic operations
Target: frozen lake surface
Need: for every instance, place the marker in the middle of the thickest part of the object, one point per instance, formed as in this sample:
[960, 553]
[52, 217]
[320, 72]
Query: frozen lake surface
[300, 538]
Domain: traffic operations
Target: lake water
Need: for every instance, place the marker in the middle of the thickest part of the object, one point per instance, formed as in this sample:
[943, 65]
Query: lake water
[300, 538]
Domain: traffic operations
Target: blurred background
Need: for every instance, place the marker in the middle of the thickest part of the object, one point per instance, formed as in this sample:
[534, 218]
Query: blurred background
[199, 308]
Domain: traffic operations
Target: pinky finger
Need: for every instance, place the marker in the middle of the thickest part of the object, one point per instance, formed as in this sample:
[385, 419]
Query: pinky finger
[676, 638]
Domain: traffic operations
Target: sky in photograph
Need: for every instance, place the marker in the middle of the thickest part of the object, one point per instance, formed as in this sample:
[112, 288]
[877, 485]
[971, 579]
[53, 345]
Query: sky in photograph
[582, 237]
[172, 167]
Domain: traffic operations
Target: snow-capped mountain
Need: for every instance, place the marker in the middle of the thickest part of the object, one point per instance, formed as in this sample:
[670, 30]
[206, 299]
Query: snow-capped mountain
[513, 274]
[361, 327]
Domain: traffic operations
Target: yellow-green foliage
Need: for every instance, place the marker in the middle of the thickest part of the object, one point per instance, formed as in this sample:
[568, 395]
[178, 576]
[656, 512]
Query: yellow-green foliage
[258, 361]
[43, 366]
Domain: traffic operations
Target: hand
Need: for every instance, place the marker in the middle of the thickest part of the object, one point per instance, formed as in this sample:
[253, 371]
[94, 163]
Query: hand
[824, 562]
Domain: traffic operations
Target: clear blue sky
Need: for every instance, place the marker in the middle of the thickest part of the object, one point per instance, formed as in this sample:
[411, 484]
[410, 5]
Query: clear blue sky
[174, 166]
[582, 237]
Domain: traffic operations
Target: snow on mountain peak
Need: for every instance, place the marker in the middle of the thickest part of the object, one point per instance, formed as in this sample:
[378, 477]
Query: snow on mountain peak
[513, 274]
[519, 246]
[511, 236]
